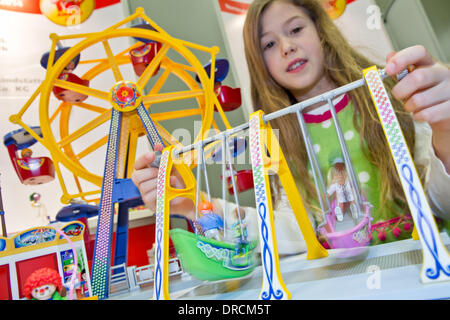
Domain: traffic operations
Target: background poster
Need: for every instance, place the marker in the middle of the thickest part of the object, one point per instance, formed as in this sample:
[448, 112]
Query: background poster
[25, 26]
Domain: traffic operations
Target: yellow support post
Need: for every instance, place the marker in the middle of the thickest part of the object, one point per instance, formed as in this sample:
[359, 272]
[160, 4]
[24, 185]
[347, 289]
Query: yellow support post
[166, 193]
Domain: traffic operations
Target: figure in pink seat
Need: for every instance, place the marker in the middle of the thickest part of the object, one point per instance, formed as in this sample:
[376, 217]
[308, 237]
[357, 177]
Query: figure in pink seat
[342, 189]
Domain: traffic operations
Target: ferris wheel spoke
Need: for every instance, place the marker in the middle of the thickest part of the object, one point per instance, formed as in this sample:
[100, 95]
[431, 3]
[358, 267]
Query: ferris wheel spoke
[189, 157]
[57, 111]
[92, 147]
[160, 82]
[85, 129]
[151, 68]
[90, 107]
[81, 89]
[169, 115]
[172, 96]
[126, 51]
[112, 61]
[165, 134]
[182, 66]
[92, 61]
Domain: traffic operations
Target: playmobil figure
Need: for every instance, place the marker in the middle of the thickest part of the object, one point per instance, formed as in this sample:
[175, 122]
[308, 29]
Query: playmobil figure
[342, 189]
[44, 284]
[210, 223]
[35, 199]
[26, 153]
[71, 65]
[239, 232]
[80, 284]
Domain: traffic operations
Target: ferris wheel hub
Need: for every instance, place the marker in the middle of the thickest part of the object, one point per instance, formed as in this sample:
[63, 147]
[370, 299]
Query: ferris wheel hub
[125, 96]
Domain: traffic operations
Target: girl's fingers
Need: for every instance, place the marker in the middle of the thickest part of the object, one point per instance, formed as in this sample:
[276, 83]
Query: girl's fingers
[141, 175]
[150, 199]
[176, 179]
[147, 186]
[390, 55]
[419, 79]
[438, 116]
[144, 160]
[427, 98]
[176, 183]
[158, 147]
[416, 55]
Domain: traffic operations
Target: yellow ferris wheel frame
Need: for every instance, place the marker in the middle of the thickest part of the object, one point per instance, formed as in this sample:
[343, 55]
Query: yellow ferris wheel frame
[61, 151]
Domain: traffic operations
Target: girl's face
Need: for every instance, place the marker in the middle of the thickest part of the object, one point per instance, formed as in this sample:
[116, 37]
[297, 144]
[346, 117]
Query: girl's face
[291, 48]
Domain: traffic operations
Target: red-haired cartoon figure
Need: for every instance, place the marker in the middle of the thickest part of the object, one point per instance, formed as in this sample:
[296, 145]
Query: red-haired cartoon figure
[44, 284]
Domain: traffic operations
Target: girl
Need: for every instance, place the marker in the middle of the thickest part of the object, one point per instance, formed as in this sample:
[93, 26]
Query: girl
[295, 52]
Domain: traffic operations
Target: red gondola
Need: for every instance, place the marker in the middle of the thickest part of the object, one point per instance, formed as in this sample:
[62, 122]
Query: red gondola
[30, 170]
[243, 179]
[143, 55]
[229, 98]
[66, 75]
[69, 95]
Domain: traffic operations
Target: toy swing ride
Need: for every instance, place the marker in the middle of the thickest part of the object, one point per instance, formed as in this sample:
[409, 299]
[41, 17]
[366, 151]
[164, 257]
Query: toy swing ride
[129, 105]
[266, 155]
[228, 254]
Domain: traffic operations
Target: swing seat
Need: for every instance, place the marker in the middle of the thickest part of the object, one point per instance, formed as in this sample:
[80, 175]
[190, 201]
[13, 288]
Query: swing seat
[143, 55]
[34, 171]
[243, 179]
[229, 98]
[239, 260]
[243, 258]
[358, 236]
[210, 260]
[69, 95]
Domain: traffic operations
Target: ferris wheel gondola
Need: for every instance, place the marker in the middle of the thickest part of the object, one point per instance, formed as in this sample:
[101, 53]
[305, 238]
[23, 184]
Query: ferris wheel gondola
[31, 170]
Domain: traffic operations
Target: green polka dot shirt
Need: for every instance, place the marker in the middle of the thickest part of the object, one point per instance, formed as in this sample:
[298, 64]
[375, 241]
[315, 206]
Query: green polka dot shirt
[327, 149]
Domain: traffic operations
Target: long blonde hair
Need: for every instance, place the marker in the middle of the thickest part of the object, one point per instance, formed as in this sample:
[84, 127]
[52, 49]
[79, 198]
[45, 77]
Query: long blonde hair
[342, 65]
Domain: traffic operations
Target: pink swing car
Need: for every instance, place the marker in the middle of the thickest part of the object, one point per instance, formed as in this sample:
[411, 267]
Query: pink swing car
[358, 236]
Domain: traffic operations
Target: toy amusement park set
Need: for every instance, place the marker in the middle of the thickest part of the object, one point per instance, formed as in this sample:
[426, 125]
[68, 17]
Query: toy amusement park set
[208, 258]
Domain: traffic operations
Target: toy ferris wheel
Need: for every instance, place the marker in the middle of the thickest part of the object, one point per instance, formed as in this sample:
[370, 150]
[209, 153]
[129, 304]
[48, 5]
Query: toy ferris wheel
[72, 145]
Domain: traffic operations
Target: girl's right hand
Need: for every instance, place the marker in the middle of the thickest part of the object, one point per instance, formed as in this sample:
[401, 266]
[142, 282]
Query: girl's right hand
[145, 179]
